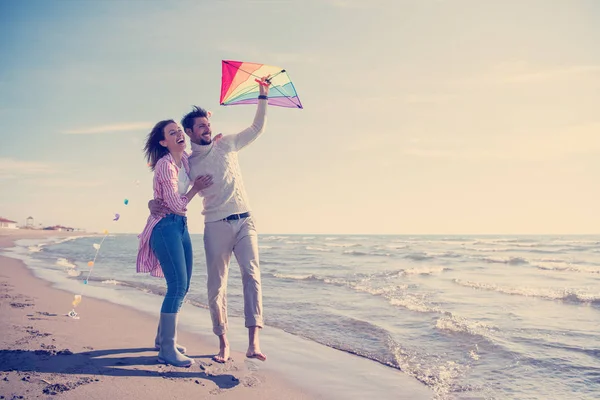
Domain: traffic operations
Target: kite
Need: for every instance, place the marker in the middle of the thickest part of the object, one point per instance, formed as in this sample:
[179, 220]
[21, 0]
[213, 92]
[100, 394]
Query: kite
[117, 216]
[240, 84]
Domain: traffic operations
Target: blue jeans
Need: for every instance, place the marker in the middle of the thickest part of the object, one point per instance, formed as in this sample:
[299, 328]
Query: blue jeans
[171, 244]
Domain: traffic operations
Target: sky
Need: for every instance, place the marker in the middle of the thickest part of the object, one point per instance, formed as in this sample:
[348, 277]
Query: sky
[420, 116]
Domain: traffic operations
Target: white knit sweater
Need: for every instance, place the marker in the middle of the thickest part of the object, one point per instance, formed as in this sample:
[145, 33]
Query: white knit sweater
[227, 194]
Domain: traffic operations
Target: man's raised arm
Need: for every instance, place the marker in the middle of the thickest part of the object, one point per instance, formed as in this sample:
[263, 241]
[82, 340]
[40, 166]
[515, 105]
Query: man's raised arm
[248, 135]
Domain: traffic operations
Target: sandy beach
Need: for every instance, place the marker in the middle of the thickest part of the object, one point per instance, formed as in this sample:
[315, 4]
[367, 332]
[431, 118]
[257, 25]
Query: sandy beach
[44, 353]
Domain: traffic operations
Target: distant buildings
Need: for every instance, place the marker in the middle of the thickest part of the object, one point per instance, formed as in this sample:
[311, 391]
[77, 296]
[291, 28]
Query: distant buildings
[59, 228]
[10, 224]
[7, 223]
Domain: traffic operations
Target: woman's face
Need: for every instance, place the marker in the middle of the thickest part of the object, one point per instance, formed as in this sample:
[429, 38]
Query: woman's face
[174, 138]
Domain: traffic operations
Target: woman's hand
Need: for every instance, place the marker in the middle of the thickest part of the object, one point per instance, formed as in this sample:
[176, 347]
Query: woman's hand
[202, 182]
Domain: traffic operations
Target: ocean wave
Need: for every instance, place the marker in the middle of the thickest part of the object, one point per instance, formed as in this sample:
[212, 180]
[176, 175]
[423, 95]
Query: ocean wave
[488, 249]
[63, 262]
[570, 295]
[384, 291]
[566, 266]
[544, 251]
[413, 303]
[156, 289]
[424, 270]
[366, 253]
[454, 323]
[392, 246]
[577, 242]
[503, 260]
[395, 295]
[373, 284]
[342, 244]
[35, 249]
[275, 238]
[450, 254]
[71, 238]
[419, 256]
[305, 277]
[280, 263]
[527, 245]
[440, 374]
[313, 248]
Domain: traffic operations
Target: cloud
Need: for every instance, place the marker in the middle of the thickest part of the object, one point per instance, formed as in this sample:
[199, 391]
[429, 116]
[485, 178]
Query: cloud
[348, 4]
[410, 98]
[132, 126]
[574, 140]
[429, 153]
[523, 72]
[64, 183]
[42, 174]
[249, 52]
[12, 168]
[551, 74]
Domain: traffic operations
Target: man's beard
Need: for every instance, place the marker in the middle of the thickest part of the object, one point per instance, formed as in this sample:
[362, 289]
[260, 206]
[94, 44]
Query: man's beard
[203, 142]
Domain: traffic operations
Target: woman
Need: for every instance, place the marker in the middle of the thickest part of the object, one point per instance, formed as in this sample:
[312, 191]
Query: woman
[165, 248]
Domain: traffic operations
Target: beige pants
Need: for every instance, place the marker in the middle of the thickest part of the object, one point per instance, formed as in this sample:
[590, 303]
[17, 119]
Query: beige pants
[221, 238]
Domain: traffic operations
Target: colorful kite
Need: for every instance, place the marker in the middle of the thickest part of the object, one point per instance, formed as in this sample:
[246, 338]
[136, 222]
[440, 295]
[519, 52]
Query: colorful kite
[240, 84]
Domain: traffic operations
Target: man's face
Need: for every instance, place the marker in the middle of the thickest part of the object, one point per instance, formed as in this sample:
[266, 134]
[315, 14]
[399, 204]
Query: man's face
[201, 133]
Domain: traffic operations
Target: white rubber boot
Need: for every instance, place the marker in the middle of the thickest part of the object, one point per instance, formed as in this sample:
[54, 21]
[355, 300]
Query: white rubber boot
[168, 354]
[179, 347]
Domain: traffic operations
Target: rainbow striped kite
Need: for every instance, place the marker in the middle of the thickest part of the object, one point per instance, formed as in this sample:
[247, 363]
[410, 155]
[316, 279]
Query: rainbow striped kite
[239, 85]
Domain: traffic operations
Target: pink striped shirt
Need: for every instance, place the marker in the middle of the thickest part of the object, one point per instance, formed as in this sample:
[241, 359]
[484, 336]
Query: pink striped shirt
[165, 189]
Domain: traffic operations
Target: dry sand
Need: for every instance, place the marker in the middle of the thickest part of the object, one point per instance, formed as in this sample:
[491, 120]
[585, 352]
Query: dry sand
[45, 354]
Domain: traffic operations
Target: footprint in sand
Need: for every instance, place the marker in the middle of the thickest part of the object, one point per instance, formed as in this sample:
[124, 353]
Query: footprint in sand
[21, 305]
[250, 381]
[47, 314]
[56, 388]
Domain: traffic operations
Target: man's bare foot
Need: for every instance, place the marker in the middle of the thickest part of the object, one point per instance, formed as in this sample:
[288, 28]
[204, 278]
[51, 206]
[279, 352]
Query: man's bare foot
[253, 344]
[223, 355]
[254, 352]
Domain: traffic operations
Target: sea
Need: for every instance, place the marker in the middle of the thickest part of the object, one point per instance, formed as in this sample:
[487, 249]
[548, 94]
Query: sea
[469, 317]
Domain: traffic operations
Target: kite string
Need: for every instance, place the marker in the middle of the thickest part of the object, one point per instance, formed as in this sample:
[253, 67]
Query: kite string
[93, 263]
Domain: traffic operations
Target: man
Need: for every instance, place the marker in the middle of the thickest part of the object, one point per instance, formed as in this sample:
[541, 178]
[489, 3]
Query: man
[229, 227]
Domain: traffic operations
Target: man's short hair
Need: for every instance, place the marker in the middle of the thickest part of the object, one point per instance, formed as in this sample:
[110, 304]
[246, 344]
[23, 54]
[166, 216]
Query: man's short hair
[188, 120]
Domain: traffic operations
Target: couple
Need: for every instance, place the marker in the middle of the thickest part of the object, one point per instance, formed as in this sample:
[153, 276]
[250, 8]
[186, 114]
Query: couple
[165, 248]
